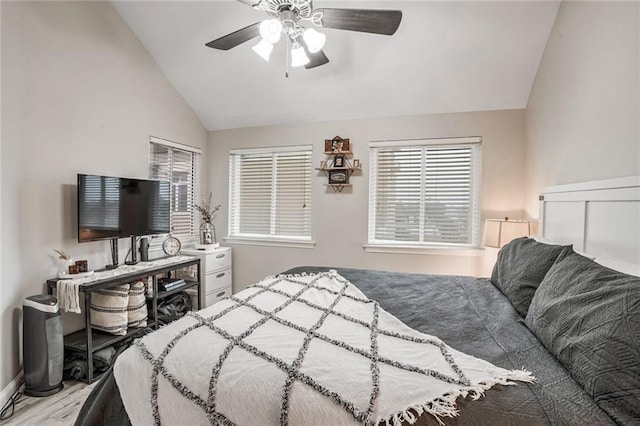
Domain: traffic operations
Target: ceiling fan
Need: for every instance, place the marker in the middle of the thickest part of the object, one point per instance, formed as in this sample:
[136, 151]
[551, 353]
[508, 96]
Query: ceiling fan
[288, 16]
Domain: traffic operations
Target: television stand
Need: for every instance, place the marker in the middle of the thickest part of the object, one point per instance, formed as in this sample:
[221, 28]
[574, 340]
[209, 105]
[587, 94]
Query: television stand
[134, 252]
[114, 255]
[88, 341]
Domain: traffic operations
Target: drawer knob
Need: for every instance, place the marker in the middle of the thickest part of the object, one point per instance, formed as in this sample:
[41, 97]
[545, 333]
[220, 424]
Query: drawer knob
[220, 294]
[220, 256]
[220, 275]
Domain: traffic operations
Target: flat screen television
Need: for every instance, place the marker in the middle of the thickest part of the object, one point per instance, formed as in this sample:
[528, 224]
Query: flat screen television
[116, 207]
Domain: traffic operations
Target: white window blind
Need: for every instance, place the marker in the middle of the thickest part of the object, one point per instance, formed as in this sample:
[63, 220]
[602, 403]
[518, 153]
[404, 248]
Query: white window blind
[180, 167]
[270, 193]
[425, 192]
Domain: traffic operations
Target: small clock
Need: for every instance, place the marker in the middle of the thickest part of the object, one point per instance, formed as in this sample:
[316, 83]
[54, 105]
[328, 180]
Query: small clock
[171, 246]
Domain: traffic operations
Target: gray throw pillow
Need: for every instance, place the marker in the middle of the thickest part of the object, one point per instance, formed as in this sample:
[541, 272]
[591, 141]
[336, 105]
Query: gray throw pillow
[588, 316]
[520, 268]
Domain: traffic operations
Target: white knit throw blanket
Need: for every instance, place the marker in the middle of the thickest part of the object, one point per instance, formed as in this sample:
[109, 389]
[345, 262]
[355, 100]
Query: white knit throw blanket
[303, 349]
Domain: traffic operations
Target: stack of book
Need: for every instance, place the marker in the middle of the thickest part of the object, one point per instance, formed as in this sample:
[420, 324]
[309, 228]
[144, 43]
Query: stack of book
[167, 284]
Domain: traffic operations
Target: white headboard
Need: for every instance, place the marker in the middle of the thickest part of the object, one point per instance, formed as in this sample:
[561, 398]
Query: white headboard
[600, 218]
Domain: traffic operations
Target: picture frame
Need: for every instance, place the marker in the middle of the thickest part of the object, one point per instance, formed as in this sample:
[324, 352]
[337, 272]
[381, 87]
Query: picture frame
[336, 144]
[328, 145]
[338, 177]
[356, 163]
[339, 161]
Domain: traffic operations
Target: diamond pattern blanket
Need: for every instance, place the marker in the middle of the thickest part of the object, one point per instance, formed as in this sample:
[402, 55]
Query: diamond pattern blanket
[299, 350]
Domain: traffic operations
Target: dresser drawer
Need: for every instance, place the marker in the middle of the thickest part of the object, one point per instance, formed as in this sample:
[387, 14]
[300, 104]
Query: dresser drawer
[217, 280]
[217, 295]
[217, 260]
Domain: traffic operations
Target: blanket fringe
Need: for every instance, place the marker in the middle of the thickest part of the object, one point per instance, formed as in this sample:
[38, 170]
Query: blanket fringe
[445, 406]
[331, 273]
[300, 275]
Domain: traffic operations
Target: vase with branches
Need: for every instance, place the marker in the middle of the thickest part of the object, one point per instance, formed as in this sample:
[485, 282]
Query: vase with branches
[63, 260]
[207, 228]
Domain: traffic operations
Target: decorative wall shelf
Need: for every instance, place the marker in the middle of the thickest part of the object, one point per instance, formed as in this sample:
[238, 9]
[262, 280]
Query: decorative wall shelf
[338, 166]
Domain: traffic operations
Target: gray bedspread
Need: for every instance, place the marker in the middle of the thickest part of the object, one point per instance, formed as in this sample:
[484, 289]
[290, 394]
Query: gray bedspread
[470, 315]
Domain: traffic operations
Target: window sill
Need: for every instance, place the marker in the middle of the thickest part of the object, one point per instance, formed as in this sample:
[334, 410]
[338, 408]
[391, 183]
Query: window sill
[425, 250]
[271, 242]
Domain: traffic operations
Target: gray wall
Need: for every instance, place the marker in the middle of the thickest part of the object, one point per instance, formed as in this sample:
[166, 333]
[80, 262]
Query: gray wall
[582, 120]
[80, 93]
[340, 219]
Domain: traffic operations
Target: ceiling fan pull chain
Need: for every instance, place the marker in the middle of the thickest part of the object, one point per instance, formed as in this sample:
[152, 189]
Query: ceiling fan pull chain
[286, 72]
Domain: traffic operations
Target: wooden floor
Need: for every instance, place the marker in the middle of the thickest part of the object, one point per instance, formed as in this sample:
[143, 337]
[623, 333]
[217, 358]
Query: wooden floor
[59, 409]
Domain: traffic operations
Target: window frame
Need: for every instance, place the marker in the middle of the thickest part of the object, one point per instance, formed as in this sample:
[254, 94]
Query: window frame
[427, 247]
[271, 239]
[196, 186]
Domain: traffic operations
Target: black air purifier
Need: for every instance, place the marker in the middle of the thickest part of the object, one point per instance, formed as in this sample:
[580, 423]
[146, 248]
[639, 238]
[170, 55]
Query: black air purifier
[42, 345]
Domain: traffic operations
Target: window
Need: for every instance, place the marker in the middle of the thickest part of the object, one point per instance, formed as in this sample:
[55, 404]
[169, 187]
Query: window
[270, 193]
[425, 193]
[179, 165]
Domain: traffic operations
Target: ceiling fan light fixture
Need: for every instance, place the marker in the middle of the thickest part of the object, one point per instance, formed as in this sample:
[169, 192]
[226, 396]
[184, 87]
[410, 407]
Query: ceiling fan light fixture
[315, 40]
[270, 30]
[264, 49]
[298, 57]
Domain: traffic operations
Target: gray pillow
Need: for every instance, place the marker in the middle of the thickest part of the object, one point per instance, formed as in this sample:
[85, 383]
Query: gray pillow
[520, 268]
[588, 316]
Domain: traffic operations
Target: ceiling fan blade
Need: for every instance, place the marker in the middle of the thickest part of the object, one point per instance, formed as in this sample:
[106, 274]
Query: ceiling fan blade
[250, 3]
[315, 59]
[374, 21]
[236, 38]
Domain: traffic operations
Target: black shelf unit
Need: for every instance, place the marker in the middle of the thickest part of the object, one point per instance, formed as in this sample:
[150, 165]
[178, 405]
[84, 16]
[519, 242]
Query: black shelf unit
[163, 294]
[88, 340]
[78, 341]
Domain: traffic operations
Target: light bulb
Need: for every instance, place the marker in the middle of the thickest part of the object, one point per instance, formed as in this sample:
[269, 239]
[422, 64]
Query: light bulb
[298, 57]
[263, 48]
[270, 30]
[315, 40]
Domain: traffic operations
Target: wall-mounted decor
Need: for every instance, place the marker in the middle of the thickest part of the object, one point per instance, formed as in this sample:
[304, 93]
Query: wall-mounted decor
[338, 177]
[337, 166]
[336, 144]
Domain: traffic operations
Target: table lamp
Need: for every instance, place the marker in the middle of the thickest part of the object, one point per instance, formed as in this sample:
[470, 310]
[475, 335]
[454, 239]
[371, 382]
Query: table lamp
[498, 232]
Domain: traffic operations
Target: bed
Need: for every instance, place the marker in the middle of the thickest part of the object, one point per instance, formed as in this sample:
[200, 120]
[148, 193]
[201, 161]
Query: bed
[490, 321]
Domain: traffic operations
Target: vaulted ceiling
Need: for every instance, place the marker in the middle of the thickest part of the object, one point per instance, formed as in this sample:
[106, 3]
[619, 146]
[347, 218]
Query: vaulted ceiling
[447, 56]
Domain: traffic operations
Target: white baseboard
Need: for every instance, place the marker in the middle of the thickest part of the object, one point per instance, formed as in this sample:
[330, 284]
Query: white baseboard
[13, 386]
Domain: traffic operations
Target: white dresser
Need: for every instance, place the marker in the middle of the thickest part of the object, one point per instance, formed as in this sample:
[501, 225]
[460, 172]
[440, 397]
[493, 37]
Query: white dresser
[216, 273]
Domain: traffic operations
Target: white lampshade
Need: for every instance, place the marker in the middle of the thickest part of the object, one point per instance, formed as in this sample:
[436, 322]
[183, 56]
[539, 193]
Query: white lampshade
[264, 49]
[498, 232]
[315, 40]
[298, 57]
[270, 30]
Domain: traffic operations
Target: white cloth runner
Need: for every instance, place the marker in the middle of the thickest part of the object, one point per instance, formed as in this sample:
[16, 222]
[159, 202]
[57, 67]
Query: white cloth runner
[304, 349]
[67, 291]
